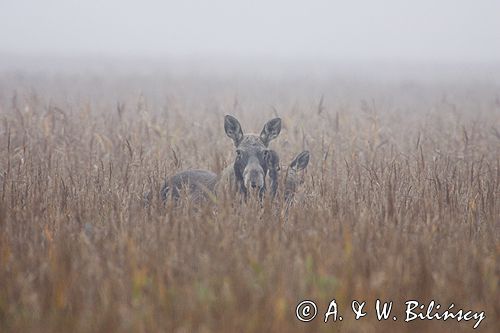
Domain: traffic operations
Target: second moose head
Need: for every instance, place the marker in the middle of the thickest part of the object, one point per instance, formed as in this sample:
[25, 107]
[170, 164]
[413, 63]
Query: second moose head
[250, 165]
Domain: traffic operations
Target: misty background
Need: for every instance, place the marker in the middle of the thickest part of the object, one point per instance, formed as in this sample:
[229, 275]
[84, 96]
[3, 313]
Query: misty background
[234, 34]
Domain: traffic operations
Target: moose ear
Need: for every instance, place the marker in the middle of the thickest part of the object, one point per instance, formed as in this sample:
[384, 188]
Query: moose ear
[272, 160]
[270, 131]
[301, 161]
[233, 129]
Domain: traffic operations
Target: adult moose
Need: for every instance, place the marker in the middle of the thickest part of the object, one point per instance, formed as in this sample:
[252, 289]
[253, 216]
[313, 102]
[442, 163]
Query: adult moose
[247, 174]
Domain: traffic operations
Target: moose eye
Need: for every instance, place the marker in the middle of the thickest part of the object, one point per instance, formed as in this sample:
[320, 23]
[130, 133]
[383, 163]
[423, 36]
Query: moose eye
[268, 156]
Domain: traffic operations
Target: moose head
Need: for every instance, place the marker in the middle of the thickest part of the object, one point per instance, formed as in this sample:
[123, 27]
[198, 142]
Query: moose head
[251, 161]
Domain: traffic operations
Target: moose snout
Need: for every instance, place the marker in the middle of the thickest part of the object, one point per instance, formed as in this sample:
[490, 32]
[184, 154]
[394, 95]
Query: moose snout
[254, 178]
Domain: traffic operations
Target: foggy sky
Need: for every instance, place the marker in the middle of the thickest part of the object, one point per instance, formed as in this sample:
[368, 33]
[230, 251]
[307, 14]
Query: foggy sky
[424, 30]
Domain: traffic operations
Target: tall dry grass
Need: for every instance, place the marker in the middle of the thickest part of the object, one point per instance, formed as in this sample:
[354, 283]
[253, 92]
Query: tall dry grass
[400, 201]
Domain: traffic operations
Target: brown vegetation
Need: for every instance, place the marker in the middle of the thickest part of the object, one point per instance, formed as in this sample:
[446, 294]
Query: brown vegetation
[400, 201]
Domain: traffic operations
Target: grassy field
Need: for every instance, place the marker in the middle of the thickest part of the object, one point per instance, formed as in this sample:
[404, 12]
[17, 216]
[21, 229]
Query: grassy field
[400, 201]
